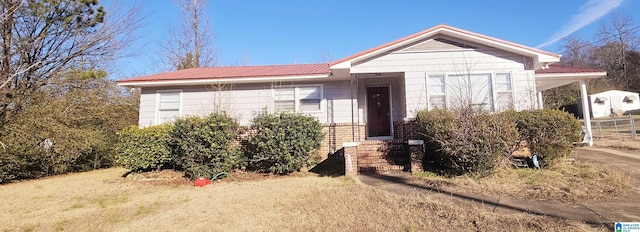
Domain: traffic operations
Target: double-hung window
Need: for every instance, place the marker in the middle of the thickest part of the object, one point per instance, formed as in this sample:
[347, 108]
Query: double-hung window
[168, 105]
[469, 90]
[504, 91]
[461, 90]
[285, 99]
[304, 98]
[436, 90]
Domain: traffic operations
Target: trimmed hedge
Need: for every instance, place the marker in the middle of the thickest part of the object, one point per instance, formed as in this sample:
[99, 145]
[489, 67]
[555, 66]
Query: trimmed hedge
[204, 146]
[144, 149]
[283, 143]
[466, 140]
[549, 133]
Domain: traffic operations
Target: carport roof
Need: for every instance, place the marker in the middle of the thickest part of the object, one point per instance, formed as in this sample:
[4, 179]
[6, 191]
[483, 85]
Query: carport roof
[559, 68]
[558, 75]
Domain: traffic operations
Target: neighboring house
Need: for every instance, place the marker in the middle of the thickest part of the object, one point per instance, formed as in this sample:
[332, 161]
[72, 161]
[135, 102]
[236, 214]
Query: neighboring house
[614, 103]
[372, 94]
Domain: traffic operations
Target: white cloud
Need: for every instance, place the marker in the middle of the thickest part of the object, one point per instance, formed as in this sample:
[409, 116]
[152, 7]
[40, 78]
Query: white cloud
[588, 13]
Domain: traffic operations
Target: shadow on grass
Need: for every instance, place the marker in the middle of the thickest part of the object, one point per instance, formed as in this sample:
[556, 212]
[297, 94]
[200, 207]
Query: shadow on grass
[332, 166]
[495, 204]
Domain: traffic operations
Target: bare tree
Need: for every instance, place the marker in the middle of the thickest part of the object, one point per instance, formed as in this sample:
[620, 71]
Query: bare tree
[614, 49]
[190, 44]
[577, 52]
[42, 39]
[325, 56]
[615, 41]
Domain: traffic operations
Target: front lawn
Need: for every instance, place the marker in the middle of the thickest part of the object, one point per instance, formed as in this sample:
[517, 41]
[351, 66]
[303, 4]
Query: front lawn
[103, 200]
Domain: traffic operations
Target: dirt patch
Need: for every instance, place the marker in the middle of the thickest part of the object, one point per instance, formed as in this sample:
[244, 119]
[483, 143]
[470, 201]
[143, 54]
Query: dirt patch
[163, 177]
[175, 178]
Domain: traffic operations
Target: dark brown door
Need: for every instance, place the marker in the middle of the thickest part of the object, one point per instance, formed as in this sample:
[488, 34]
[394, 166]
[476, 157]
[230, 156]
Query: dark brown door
[378, 111]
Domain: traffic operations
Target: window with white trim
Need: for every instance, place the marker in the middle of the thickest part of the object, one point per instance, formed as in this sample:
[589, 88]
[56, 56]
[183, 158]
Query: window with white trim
[504, 91]
[303, 98]
[436, 90]
[168, 105]
[284, 99]
[470, 89]
[456, 90]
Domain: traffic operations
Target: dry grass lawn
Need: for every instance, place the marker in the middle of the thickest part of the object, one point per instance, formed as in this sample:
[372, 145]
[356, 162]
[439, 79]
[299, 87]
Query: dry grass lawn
[624, 144]
[104, 201]
[570, 183]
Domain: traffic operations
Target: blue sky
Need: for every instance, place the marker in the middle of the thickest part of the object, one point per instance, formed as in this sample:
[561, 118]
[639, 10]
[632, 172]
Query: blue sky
[299, 31]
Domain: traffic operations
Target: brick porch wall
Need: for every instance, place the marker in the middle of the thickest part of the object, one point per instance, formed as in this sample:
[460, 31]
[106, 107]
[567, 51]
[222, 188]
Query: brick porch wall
[335, 134]
[371, 155]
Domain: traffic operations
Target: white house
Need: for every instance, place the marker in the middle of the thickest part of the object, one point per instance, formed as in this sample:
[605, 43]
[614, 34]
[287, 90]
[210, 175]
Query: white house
[614, 102]
[369, 95]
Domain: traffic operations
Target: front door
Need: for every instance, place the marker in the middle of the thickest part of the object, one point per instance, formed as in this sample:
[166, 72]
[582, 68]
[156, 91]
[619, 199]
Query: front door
[378, 111]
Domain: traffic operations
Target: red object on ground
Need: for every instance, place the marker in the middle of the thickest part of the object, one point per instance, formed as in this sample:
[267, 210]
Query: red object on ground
[201, 181]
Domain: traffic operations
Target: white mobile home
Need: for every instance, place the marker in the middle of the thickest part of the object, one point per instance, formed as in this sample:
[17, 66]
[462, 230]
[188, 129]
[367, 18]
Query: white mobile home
[614, 103]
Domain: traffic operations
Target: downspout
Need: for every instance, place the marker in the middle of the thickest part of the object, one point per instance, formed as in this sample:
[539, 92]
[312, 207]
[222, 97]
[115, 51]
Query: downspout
[426, 88]
[353, 135]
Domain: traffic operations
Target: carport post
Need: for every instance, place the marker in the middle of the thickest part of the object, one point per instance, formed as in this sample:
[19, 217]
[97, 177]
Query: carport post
[586, 115]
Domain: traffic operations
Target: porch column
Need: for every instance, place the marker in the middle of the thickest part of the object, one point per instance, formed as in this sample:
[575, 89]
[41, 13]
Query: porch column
[586, 115]
[540, 101]
[353, 132]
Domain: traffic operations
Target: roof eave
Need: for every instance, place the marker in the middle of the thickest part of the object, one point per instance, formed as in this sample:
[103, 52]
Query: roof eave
[576, 76]
[160, 83]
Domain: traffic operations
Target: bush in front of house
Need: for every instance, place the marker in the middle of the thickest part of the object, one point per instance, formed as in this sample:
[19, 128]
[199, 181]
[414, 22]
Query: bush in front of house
[204, 146]
[549, 133]
[466, 140]
[144, 149]
[283, 142]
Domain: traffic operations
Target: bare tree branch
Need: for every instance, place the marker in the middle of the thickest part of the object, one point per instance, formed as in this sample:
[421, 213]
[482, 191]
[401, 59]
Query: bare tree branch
[42, 39]
[190, 45]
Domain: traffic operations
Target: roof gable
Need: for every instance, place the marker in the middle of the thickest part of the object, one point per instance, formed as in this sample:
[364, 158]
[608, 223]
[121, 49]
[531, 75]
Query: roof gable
[442, 29]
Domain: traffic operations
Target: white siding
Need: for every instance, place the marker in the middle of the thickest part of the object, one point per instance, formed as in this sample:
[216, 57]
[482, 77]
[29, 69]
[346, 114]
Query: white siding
[524, 89]
[442, 61]
[147, 114]
[243, 101]
[425, 58]
[416, 93]
[338, 101]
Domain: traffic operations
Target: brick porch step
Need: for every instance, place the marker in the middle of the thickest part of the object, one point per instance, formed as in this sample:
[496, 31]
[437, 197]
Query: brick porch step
[383, 157]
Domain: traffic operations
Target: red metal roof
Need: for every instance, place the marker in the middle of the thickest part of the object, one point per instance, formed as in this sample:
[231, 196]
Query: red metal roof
[442, 26]
[559, 68]
[236, 72]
